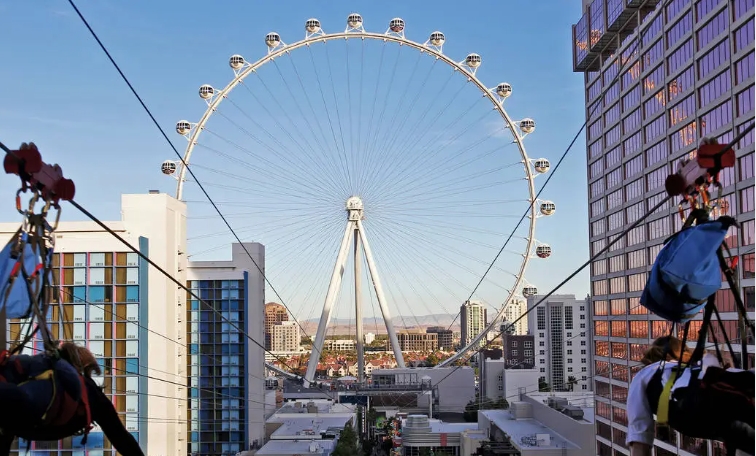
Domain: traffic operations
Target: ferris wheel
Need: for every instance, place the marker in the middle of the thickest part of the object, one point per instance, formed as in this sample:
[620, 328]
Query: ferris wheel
[358, 156]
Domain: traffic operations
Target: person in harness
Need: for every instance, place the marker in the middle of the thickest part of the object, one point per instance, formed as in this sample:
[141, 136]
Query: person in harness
[54, 397]
[710, 401]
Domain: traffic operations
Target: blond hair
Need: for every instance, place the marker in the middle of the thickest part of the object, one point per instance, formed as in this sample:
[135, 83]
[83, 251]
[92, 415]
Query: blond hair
[666, 348]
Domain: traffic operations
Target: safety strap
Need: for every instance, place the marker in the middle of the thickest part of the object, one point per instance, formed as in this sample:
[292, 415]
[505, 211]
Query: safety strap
[662, 413]
[87, 411]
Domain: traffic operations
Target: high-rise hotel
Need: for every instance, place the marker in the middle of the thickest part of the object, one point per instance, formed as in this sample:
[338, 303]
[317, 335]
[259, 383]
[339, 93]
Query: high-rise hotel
[181, 377]
[692, 75]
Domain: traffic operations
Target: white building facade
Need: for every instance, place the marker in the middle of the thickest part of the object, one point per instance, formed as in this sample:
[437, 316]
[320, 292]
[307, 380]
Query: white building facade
[497, 381]
[285, 337]
[473, 319]
[515, 311]
[562, 336]
[129, 315]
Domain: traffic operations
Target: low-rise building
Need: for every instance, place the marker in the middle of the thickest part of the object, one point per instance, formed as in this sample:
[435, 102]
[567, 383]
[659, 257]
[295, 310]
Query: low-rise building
[499, 380]
[417, 341]
[452, 387]
[543, 423]
[444, 336]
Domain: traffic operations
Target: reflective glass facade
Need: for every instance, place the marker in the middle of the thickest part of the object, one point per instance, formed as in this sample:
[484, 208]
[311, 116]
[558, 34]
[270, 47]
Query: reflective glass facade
[103, 296]
[691, 76]
[217, 353]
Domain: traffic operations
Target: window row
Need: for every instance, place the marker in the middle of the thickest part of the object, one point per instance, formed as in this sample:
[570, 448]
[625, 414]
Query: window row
[99, 294]
[96, 312]
[68, 260]
[84, 331]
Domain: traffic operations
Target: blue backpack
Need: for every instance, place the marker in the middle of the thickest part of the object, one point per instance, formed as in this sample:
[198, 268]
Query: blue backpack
[686, 271]
[19, 260]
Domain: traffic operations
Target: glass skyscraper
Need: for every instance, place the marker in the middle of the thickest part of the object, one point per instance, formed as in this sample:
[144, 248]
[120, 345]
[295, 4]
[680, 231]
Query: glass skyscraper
[217, 405]
[225, 369]
[692, 75]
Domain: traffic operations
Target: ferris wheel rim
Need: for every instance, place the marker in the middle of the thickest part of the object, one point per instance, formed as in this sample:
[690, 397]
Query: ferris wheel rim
[282, 48]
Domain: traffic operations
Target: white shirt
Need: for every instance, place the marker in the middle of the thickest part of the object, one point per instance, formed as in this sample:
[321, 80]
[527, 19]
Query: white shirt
[640, 417]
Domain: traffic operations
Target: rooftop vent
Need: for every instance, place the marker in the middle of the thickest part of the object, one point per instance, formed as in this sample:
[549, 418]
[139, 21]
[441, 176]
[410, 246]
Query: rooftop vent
[573, 411]
[556, 402]
[154, 192]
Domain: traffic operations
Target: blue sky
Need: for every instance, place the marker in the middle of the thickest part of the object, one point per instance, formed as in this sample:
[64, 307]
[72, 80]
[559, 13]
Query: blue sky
[61, 92]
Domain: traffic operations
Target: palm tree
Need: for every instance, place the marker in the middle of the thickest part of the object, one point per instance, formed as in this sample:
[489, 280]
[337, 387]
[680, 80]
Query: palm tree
[571, 382]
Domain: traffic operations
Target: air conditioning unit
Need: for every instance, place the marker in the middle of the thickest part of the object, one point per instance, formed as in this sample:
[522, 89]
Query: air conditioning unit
[99, 282]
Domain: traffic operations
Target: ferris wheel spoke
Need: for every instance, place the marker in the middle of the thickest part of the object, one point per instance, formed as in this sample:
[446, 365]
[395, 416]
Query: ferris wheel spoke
[402, 298]
[338, 120]
[264, 174]
[322, 141]
[392, 134]
[372, 141]
[379, 168]
[311, 270]
[290, 121]
[353, 161]
[439, 252]
[374, 165]
[426, 236]
[421, 258]
[262, 184]
[382, 148]
[398, 266]
[400, 189]
[399, 183]
[424, 152]
[295, 164]
[447, 191]
[303, 174]
[341, 152]
[412, 128]
[366, 148]
[274, 227]
[316, 156]
[236, 160]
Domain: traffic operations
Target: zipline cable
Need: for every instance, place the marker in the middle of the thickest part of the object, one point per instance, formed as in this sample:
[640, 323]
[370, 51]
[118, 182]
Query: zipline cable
[604, 92]
[181, 158]
[606, 248]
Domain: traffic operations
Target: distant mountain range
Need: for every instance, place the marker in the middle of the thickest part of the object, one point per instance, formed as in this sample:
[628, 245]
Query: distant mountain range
[339, 326]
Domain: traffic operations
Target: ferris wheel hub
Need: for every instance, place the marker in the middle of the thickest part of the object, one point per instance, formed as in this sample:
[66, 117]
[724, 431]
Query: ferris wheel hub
[354, 208]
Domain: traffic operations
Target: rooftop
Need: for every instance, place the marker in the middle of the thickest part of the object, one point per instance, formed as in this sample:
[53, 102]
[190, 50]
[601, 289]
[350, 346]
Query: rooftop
[324, 406]
[439, 427]
[307, 426]
[279, 447]
[523, 432]
[582, 399]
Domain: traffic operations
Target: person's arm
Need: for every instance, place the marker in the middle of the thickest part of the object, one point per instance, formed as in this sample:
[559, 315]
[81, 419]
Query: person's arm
[640, 418]
[105, 415]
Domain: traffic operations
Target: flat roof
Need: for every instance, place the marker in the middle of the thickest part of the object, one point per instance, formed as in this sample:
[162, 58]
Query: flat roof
[520, 429]
[302, 426]
[323, 406]
[582, 399]
[277, 447]
[439, 427]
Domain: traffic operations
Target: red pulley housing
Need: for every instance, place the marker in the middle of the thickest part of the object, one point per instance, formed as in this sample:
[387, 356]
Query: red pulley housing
[47, 179]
